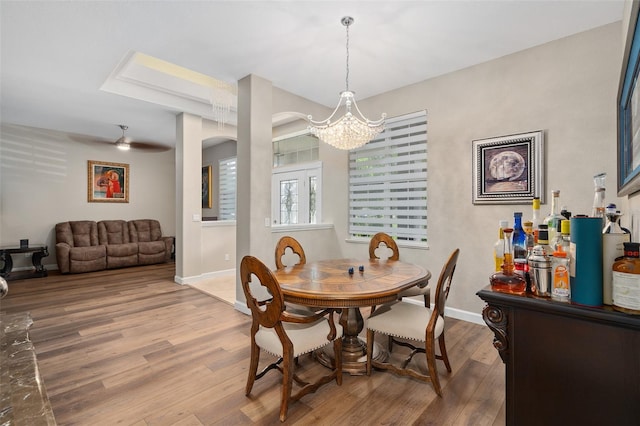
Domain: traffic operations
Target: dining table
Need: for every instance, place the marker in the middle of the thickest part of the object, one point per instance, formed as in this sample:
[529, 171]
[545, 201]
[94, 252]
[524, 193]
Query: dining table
[349, 285]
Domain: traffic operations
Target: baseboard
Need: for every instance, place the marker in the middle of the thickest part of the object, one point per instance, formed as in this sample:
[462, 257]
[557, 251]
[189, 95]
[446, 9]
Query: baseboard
[196, 278]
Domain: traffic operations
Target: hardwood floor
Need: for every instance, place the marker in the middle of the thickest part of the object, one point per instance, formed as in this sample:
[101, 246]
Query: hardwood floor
[132, 347]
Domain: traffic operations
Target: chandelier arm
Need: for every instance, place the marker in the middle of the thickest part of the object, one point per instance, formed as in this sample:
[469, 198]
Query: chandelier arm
[366, 120]
[327, 120]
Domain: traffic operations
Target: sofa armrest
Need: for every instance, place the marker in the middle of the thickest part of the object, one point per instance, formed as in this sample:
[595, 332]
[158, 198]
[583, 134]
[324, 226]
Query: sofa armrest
[63, 251]
[168, 242]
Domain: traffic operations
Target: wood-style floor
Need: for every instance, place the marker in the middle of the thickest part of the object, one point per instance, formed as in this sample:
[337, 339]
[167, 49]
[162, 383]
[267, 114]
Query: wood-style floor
[132, 347]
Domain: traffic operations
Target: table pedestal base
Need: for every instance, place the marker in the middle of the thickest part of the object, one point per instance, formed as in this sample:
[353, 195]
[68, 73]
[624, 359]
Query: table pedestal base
[354, 349]
[353, 363]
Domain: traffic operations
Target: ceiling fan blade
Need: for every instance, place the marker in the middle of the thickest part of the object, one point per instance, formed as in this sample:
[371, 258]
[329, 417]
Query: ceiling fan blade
[149, 146]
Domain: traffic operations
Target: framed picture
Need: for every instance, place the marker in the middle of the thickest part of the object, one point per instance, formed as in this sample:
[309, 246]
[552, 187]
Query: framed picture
[508, 169]
[107, 182]
[206, 187]
[629, 112]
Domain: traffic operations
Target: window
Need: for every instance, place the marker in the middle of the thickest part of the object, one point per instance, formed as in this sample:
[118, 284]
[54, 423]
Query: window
[296, 194]
[295, 149]
[388, 182]
[227, 189]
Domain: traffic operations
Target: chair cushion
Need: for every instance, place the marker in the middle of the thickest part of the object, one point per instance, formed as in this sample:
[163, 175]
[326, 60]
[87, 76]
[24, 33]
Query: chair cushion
[305, 337]
[405, 320]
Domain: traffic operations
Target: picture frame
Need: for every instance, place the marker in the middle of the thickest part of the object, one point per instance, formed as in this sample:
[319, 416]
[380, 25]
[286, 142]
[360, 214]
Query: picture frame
[628, 111]
[509, 169]
[107, 182]
[206, 187]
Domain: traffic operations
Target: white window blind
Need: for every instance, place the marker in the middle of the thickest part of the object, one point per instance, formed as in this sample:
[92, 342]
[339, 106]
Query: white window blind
[388, 182]
[227, 189]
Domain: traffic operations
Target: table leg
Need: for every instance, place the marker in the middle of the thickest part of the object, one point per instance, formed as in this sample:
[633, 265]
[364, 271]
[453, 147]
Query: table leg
[8, 264]
[36, 260]
[354, 355]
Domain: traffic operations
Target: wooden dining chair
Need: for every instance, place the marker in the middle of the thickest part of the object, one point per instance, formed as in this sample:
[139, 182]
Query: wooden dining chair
[291, 243]
[408, 321]
[285, 243]
[381, 240]
[286, 335]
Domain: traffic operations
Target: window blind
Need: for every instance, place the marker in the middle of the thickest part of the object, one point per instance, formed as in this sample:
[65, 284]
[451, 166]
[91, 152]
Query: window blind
[388, 182]
[227, 189]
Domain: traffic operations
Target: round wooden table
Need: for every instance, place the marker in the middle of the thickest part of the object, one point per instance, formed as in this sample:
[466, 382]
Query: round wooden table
[328, 284]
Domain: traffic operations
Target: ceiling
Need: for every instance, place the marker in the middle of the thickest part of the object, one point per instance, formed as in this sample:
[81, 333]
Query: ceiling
[55, 56]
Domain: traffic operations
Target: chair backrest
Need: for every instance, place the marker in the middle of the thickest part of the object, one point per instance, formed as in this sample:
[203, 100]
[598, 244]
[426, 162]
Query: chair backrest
[444, 282]
[381, 237]
[264, 312]
[289, 242]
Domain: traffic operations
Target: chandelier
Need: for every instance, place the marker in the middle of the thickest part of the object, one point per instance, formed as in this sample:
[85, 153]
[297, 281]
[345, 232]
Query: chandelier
[349, 131]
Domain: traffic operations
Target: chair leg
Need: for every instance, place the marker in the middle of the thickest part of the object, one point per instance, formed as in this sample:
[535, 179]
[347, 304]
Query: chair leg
[390, 343]
[431, 365]
[337, 359]
[287, 383]
[253, 367]
[370, 340]
[443, 352]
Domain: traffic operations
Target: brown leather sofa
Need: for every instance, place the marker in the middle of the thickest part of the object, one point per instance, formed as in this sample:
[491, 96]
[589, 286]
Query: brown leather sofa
[87, 246]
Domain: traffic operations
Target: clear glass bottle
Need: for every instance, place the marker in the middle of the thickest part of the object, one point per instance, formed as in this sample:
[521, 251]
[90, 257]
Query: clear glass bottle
[535, 217]
[554, 217]
[626, 280]
[613, 239]
[598, 209]
[507, 280]
[498, 247]
[519, 244]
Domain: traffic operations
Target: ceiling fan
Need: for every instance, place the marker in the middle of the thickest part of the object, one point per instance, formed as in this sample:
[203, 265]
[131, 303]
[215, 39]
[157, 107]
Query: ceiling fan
[124, 143]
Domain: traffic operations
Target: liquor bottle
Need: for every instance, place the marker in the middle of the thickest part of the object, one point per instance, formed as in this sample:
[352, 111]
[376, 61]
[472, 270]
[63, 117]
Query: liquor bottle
[519, 244]
[535, 217]
[543, 239]
[498, 247]
[598, 198]
[554, 217]
[565, 231]
[560, 275]
[613, 239]
[507, 280]
[626, 280]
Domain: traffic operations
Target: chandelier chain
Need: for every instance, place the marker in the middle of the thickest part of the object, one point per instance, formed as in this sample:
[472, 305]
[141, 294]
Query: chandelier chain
[347, 78]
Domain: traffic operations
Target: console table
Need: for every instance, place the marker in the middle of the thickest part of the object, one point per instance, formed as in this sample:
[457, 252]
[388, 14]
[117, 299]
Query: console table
[565, 364]
[37, 251]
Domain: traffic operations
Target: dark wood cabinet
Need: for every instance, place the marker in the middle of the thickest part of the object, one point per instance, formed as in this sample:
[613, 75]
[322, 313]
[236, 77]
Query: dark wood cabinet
[565, 364]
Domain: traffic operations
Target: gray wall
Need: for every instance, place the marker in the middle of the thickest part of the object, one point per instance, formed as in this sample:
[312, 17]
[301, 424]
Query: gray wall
[566, 88]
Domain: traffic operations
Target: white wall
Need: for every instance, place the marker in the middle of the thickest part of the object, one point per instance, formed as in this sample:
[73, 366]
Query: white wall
[43, 181]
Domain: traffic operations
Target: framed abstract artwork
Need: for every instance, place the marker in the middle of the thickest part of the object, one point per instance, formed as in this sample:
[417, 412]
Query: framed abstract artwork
[206, 187]
[107, 182]
[508, 169]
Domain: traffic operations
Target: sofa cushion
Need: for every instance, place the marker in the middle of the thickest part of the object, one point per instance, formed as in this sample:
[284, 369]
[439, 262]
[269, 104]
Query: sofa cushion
[142, 230]
[87, 259]
[122, 255]
[150, 252]
[81, 233]
[113, 232]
